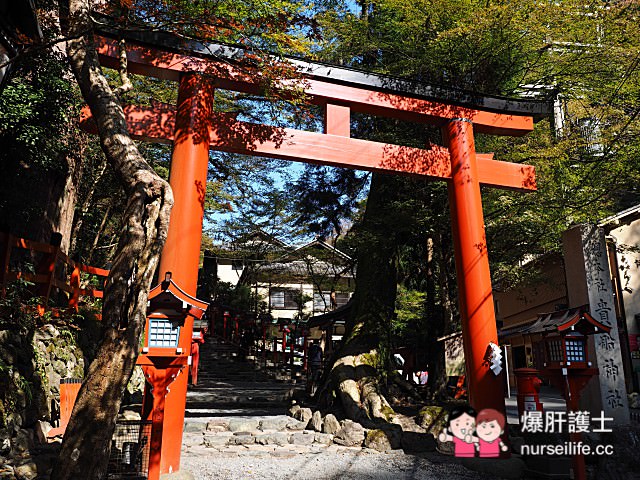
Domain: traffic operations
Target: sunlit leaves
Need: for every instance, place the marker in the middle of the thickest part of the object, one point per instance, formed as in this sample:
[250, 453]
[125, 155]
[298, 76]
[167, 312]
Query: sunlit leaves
[277, 26]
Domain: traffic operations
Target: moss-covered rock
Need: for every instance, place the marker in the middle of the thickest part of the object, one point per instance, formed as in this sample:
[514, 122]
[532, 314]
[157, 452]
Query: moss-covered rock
[432, 418]
[377, 440]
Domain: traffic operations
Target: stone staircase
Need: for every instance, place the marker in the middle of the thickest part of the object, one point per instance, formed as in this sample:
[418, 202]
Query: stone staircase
[254, 432]
[226, 381]
[240, 404]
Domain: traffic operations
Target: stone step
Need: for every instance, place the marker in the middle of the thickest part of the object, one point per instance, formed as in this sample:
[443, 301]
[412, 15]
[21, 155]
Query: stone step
[280, 439]
[238, 400]
[229, 382]
[278, 430]
[283, 431]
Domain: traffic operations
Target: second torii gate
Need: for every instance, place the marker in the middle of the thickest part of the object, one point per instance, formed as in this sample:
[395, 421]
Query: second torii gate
[194, 128]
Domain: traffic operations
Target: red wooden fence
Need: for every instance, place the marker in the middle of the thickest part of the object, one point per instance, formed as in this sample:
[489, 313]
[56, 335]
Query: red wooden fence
[54, 270]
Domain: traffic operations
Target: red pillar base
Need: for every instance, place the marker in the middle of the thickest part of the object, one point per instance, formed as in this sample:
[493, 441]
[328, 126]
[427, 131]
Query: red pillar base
[159, 380]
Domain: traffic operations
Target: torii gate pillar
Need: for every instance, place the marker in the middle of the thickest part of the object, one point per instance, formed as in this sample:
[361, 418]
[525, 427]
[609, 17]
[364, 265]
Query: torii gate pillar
[472, 266]
[181, 254]
[188, 179]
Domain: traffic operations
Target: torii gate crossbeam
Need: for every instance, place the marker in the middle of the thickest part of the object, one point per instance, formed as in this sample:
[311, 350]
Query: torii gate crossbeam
[193, 128]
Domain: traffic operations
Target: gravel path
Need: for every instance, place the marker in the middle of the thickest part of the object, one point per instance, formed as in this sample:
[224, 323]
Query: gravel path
[329, 463]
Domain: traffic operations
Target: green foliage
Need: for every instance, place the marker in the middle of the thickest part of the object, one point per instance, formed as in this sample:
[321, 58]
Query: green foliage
[17, 307]
[240, 297]
[326, 199]
[38, 142]
[586, 171]
[410, 313]
[14, 388]
[35, 109]
[39, 371]
[244, 188]
[463, 43]
[262, 25]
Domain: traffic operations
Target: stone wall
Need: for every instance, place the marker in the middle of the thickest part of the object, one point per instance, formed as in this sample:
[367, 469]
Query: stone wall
[57, 355]
[31, 368]
[32, 362]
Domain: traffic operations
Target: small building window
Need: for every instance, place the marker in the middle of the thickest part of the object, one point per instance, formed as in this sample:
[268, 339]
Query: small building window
[321, 301]
[284, 298]
[342, 298]
[277, 298]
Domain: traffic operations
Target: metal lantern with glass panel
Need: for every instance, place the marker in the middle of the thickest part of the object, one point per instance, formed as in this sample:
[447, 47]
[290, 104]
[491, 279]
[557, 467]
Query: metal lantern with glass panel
[561, 343]
[566, 364]
[168, 309]
[165, 359]
[565, 337]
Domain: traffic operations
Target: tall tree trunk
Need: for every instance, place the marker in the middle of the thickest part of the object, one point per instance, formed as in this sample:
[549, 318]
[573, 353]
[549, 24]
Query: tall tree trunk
[67, 204]
[360, 364]
[62, 195]
[87, 442]
[96, 238]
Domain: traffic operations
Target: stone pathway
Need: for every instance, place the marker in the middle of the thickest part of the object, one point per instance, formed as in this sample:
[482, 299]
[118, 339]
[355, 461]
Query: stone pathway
[238, 403]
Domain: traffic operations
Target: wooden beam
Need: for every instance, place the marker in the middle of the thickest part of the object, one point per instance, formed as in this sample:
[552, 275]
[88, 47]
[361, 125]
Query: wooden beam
[157, 124]
[337, 120]
[169, 65]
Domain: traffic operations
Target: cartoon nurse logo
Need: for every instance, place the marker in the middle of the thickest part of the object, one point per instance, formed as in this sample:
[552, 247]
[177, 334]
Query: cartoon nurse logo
[489, 428]
[471, 432]
[462, 423]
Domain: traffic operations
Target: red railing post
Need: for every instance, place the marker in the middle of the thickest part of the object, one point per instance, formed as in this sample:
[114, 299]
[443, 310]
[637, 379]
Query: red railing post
[292, 349]
[225, 317]
[275, 350]
[304, 354]
[69, 388]
[284, 348]
[47, 266]
[74, 282]
[264, 343]
[195, 357]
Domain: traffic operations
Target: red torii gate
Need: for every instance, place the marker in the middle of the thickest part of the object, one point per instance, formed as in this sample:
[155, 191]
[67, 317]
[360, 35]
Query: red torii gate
[194, 128]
